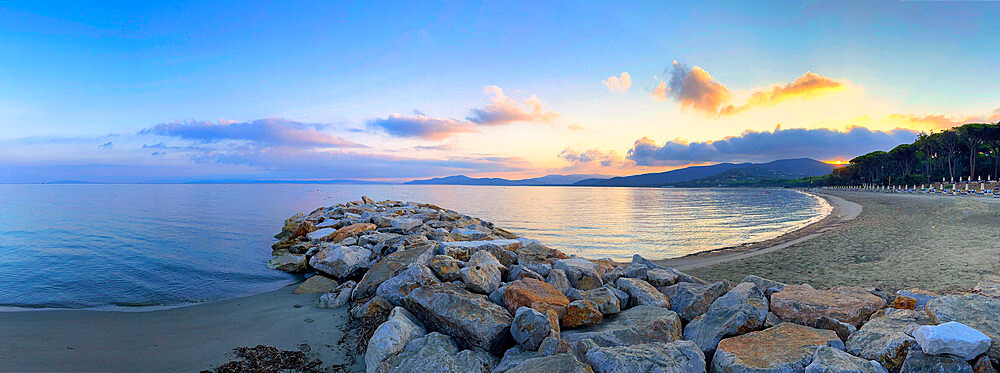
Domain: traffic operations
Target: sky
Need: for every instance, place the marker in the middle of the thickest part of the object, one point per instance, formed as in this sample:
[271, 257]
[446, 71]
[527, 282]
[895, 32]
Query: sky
[192, 91]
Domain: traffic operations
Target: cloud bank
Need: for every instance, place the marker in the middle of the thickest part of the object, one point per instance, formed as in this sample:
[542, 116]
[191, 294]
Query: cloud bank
[592, 158]
[755, 146]
[618, 83]
[501, 110]
[695, 89]
[270, 131]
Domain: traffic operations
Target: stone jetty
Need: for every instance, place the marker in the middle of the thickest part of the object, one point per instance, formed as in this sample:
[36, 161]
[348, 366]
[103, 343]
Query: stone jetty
[434, 290]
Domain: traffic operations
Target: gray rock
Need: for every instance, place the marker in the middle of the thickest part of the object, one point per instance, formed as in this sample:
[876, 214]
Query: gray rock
[320, 233]
[338, 297]
[918, 362]
[641, 293]
[689, 299]
[681, 276]
[741, 310]
[290, 263]
[557, 278]
[951, 338]
[640, 324]
[659, 277]
[677, 356]
[636, 270]
[518, 272]
[843, 329]
[405, 224]
[530, 327]
[391, 337]
[483, 273]
[498, 296]
[583, 274]
[559, 363]
[469, 317]
[512, 358]
[436, 352]
[886, 338]
[341, 261]
[977, 311]
[833, 360]
[766, 286]
[390, 266]
[396, 288]
[613, 275]
[542, 269]
[553, 345]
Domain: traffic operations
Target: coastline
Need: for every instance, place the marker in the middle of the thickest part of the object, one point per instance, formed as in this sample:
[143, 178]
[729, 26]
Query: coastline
[182, 339]
[842, 212]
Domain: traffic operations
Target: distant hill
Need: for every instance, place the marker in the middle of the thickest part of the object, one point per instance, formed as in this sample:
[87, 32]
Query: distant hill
[726, 174]
[544, 180]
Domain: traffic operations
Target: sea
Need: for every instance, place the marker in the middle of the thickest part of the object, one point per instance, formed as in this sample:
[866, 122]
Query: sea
[138, 247]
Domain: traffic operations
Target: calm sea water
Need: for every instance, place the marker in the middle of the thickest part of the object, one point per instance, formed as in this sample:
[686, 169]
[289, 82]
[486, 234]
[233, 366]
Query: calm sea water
[117, 246]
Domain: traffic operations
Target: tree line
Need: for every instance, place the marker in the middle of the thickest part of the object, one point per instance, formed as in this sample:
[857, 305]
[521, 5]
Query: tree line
[971, 150]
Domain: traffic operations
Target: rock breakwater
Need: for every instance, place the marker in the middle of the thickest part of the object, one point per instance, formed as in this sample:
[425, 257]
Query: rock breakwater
[445, 292]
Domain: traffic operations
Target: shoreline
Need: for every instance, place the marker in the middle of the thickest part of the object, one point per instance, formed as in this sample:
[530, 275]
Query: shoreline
[842, 211]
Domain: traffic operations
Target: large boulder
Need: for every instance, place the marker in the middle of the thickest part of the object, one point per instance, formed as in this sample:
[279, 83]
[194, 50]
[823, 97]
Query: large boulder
[390, 266]
[398, 287]
[951, 338]
[391, 337]
[787, 347]
[804, 305]
[291, 263]
[741, 310]
[341, 261]
[605, 298]
[315, 284]
[677, 356]
[977, 311]
[469, 317]
[689, 299]
[503, 250]
[919, 362]
[483, 274]
[559, 363]
[436, 352]
[641, 293]
[531, 293]
[834, 360]
[405, 224]
[659, 277]
[530, 327]
[583, 274]
[886, 338]
[640, 324]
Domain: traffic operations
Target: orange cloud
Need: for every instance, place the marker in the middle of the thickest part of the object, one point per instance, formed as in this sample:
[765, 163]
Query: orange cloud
[939, 121]
[503, 110]
[694, 88]
[808, 85]
[618, 84]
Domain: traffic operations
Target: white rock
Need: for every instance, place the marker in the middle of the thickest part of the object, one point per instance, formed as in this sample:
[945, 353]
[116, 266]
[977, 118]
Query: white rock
[406, 224]
[391, 337]
[483, 273]
[320, 233]
[952, 338]
[341, 261]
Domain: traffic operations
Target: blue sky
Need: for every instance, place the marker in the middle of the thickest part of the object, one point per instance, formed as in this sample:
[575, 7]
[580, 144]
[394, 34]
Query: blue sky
[75, 76]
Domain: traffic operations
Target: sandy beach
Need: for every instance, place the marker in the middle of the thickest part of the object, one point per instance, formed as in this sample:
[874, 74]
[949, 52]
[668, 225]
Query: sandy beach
[889, 241]
[935, 243]
[186, 339]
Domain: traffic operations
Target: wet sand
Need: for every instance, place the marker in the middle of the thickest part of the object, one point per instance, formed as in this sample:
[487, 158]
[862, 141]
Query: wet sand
[186, 339]
[935, 243]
